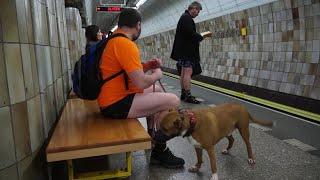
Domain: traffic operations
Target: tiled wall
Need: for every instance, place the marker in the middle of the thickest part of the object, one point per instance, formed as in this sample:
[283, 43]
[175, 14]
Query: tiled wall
[76, 34]
[34, 82]
[159, 17]
[280, 53]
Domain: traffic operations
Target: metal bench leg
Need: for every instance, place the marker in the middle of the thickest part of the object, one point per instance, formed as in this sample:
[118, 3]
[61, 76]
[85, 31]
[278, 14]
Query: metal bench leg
[129, 162]
[70, 170]
[107, 174]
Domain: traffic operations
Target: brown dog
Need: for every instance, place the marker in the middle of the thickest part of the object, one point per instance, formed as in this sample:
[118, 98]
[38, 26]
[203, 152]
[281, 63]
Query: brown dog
[205, 127]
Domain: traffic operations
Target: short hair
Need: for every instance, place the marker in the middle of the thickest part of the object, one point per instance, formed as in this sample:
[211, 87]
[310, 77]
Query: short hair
[91, 32]
[129, 17]
[195, 4]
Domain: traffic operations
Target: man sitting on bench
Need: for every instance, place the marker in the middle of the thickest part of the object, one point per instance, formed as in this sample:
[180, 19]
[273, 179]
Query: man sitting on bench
[130, 95]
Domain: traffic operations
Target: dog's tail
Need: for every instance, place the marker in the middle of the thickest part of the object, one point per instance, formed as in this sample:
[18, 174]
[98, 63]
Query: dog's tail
[261, 122]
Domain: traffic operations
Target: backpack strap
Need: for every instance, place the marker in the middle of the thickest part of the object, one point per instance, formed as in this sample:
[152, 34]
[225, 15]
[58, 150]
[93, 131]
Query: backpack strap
[120, 72]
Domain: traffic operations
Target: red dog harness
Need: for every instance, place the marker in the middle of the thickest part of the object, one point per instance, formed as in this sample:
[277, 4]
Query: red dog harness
[192, 122]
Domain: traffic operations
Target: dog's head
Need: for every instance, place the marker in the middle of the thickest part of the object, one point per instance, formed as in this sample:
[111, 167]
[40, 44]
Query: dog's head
[172, 123]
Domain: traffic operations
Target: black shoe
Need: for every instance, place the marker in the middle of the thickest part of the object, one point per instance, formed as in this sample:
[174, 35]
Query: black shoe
[191, 99]
[166, 159]
[151, 132]
[182, 96]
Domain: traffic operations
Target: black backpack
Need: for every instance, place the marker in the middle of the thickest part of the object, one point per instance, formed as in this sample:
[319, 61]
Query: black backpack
[86, 78]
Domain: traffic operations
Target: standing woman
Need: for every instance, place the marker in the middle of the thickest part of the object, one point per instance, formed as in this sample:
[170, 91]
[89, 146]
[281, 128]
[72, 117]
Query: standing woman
[93, 35]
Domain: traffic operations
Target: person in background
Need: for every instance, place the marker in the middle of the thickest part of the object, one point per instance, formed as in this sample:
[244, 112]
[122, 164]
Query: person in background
[137, 99]
[93, 35]
[186, 50]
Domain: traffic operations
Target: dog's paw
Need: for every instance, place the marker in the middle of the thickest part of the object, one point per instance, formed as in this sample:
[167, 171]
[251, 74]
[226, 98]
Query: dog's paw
[251, 162]
[193, 169]
[214, 176]
[225, 151]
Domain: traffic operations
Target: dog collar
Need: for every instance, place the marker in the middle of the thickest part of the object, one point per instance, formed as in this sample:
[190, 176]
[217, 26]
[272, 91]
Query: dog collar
[193, 121]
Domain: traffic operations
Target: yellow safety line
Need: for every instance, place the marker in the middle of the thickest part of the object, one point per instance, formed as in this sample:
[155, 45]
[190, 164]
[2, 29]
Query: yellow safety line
[243, 95]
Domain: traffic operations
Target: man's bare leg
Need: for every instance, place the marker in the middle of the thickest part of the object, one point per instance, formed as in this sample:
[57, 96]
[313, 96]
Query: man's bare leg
[186, 73]
[150, 119]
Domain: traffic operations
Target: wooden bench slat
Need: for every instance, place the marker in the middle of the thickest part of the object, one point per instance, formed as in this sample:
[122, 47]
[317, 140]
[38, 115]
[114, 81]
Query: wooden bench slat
[82, 127]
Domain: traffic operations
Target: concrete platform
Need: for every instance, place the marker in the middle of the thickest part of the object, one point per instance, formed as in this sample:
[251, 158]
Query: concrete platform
[275, 159]
[278, 152]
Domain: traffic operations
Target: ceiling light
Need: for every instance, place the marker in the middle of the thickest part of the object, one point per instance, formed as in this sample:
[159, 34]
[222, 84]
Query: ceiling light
[139, 3]
[114, 28]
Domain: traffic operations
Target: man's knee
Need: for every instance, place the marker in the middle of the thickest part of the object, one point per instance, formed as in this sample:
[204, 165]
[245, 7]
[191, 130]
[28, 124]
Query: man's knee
[174, 100]
[158, 88]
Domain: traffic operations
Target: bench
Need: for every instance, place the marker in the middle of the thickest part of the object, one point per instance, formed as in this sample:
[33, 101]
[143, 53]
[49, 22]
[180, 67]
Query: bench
[83, 132]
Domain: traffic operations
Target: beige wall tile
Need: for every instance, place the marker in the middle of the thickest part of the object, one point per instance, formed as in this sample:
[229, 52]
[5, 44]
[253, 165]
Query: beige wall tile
[48, 109]
[25, 168]
[34, 69]
[40, 23]
[22, 23]
[66, 87]
[44, 66]
[51, 104]
[35, 123]
[45, 115]
[53, 30]
[63, 57]
[56, 63]
[14, 72]
[9, 21]
[29, 21]
[27, 71]
[44, 25]
[1, 32]
[7, 150]
[21, 130]
[58, 88]
[9, 173]
[4, 98]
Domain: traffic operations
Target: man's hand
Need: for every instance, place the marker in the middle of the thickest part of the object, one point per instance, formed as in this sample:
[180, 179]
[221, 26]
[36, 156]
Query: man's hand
[157, 73]
[206, 34]
[152, 64]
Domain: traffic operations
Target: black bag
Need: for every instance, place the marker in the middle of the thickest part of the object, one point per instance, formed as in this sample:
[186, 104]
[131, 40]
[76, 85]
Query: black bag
[86, 78]
[196, 68]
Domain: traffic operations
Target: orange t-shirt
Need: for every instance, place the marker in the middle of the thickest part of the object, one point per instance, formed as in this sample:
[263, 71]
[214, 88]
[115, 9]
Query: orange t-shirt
[120, 54]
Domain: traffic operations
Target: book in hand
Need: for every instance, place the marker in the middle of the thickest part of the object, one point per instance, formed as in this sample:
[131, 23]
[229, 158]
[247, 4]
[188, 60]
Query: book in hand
[206, 34]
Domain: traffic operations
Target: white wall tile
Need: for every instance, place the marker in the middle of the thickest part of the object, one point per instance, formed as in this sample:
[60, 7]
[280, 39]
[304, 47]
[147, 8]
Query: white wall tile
[14, 73]
[7, 150]
[35, 123]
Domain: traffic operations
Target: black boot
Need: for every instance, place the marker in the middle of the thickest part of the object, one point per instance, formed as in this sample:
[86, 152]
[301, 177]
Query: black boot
[162, 155]
[183, 94]
[150, 125]
[190, 99]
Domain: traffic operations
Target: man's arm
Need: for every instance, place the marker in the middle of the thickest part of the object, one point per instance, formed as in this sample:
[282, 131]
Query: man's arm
[142, 80]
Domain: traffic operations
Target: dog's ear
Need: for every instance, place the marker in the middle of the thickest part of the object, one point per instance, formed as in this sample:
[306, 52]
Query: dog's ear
[178, 123]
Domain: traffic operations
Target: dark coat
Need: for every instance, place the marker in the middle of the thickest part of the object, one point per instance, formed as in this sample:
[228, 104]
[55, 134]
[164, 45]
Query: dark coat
[186, 41]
